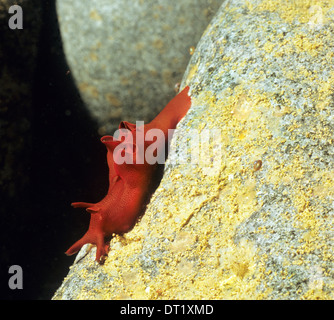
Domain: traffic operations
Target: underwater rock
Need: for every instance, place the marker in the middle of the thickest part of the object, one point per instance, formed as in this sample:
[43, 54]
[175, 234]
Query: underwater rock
[253, 219]
[126, 56]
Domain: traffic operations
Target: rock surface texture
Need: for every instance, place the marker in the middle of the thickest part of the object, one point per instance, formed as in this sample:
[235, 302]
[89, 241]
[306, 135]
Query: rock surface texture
[254, 220]
[127, 55]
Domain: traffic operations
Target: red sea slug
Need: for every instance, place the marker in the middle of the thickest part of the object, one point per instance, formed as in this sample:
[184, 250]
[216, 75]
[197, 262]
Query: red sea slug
[134, 159]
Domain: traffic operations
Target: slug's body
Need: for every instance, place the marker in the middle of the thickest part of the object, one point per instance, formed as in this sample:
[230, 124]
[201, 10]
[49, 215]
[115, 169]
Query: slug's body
[131, 182]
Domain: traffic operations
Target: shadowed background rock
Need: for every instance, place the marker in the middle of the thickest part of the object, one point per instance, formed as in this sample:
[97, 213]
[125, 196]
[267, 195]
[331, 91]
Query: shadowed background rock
[46, 142]
[18, 63]
[260, 224]
[18, 56]
[127, 55]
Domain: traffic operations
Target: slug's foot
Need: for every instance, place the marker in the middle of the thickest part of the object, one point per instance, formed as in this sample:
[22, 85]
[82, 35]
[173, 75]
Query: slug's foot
[102, 253]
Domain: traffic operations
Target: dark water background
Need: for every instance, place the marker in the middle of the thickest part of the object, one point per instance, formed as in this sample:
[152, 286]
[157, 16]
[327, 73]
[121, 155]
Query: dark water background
[66, 163]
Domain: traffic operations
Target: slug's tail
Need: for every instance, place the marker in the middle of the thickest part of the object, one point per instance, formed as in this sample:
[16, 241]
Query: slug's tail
[174, 111]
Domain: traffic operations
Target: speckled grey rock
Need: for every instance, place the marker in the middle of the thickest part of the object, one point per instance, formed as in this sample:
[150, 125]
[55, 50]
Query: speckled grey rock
[254, 220]
[127, 55]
